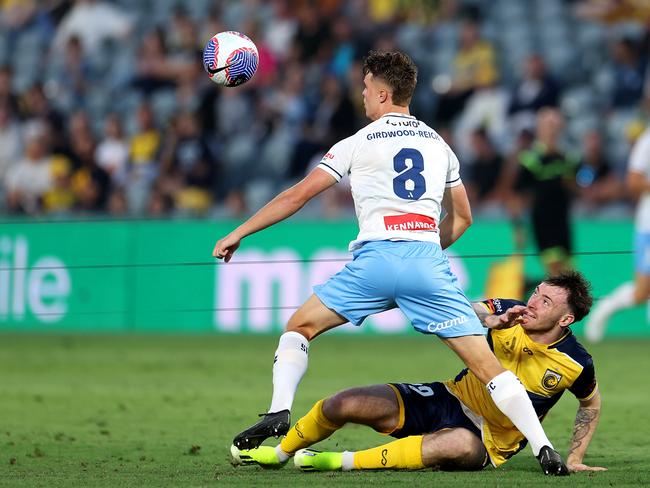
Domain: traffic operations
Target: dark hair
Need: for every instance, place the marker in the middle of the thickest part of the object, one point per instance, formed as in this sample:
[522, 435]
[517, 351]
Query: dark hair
[578, 290]
[395, 69]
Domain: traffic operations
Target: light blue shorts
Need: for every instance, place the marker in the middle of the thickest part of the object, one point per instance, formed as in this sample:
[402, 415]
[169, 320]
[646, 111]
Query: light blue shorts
[411, 275]
[642, 253]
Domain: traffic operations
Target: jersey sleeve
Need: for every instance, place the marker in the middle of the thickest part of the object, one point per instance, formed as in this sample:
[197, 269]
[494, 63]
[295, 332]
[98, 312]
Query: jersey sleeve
[498, 306]
[453, 173]
[584, 387]
[640, 156]
[338, 160]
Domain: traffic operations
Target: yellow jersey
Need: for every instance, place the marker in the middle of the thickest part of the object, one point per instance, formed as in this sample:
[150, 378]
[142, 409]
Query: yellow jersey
[546, 371]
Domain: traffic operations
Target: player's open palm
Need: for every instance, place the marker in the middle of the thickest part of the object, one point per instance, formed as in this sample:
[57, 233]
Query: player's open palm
[576, 467]
[226, 247]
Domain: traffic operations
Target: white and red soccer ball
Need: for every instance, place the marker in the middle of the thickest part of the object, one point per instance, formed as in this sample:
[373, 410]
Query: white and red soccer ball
[230, 58]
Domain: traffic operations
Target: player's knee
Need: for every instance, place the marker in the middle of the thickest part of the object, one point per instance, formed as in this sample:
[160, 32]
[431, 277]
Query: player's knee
[338, 407]
[306, 329]
[470, 451]
[457, 449]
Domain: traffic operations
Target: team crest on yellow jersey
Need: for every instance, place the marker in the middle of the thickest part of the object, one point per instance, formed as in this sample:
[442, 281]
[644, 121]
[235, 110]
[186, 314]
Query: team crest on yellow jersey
[551, 379]
[508, 346]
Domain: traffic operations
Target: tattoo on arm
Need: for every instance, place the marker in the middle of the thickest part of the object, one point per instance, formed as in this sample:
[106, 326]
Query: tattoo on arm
[585, 423]
[481, 313]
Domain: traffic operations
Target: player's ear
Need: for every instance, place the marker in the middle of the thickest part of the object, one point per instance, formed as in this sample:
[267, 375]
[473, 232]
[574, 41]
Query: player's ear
[567, 319]
[383, 95]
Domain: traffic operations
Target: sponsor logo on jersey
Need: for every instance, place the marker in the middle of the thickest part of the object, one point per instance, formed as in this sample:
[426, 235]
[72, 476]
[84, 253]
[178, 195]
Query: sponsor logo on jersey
[403, 123]
[447, 324]
[551, 379]
[328, 156]
[410, 221]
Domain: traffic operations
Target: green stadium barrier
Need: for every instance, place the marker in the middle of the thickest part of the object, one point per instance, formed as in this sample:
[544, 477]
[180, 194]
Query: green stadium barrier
[158, 276]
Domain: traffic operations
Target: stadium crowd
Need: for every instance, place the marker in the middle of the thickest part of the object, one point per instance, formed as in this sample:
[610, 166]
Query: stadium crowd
[105, 107]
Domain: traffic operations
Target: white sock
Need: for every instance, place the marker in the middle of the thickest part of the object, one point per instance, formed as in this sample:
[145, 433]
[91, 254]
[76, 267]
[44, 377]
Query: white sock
[621, 297]
[347, 461]
[511, 398]
[289, 366]
[282, 456]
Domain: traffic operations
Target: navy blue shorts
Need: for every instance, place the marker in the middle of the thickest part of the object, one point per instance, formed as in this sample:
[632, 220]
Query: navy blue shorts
[429, 407]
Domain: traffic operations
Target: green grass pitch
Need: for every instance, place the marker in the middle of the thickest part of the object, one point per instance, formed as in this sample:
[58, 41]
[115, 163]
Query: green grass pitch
[161, 411]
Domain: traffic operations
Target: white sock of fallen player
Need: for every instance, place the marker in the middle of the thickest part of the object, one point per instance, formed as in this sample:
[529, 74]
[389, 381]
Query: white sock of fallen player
[510, 396]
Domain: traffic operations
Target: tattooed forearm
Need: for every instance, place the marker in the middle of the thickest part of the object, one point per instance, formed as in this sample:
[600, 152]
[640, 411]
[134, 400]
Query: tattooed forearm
[481, 313]
[583, 429]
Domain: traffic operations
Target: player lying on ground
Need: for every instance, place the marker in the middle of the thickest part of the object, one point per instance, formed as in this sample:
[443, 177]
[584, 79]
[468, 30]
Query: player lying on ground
[402, 174]
[455, 425]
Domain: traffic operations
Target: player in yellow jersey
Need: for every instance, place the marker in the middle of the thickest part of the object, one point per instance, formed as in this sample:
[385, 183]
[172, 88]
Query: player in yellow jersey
[454, 425]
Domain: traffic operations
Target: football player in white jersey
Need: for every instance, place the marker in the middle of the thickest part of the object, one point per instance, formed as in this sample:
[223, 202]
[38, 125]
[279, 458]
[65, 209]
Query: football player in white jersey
[630, 293]
[401, 174]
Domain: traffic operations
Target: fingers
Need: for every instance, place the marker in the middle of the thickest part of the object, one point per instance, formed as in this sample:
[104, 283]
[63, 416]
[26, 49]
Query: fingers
[517, 309]
[220, 250]
[574, 468]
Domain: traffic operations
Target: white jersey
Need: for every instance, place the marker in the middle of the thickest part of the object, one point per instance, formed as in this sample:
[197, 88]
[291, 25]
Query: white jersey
[640, 163]
[399, 169]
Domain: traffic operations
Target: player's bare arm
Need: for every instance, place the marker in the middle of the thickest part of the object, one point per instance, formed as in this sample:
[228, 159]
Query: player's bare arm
[637, 183]
[458, 217]
[583, 430]
[281, 207]
[509, 318]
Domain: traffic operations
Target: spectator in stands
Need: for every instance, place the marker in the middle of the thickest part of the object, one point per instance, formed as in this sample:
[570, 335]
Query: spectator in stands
[94, 22]
[535, 90]
[485, 170]
[474, 69]
[267, 69]
[112, 154]
[347, 47]
[628, 74]
[332, 120]
[7, 95]
[280, 29]
[486, 102]
[545, 181]
[27, 181]
[189, 169]
[91, 184]
[313, 32]
[181, 34]
[36, 106]
[597, 184]
[10, 141]
[20, 16]
[71, 76]
[60, 197]
[154, 69]
[143, 163]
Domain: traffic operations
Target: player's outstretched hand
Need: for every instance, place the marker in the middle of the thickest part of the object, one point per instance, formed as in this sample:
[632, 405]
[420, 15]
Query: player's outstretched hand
[226, 247]
[574, 468]
[512, 316]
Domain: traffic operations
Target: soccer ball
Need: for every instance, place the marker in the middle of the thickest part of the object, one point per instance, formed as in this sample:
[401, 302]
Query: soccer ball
[230, 58]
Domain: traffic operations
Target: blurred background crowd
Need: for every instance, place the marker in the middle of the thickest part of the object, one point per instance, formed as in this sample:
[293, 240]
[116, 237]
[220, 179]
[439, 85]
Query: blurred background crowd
[105, 107]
